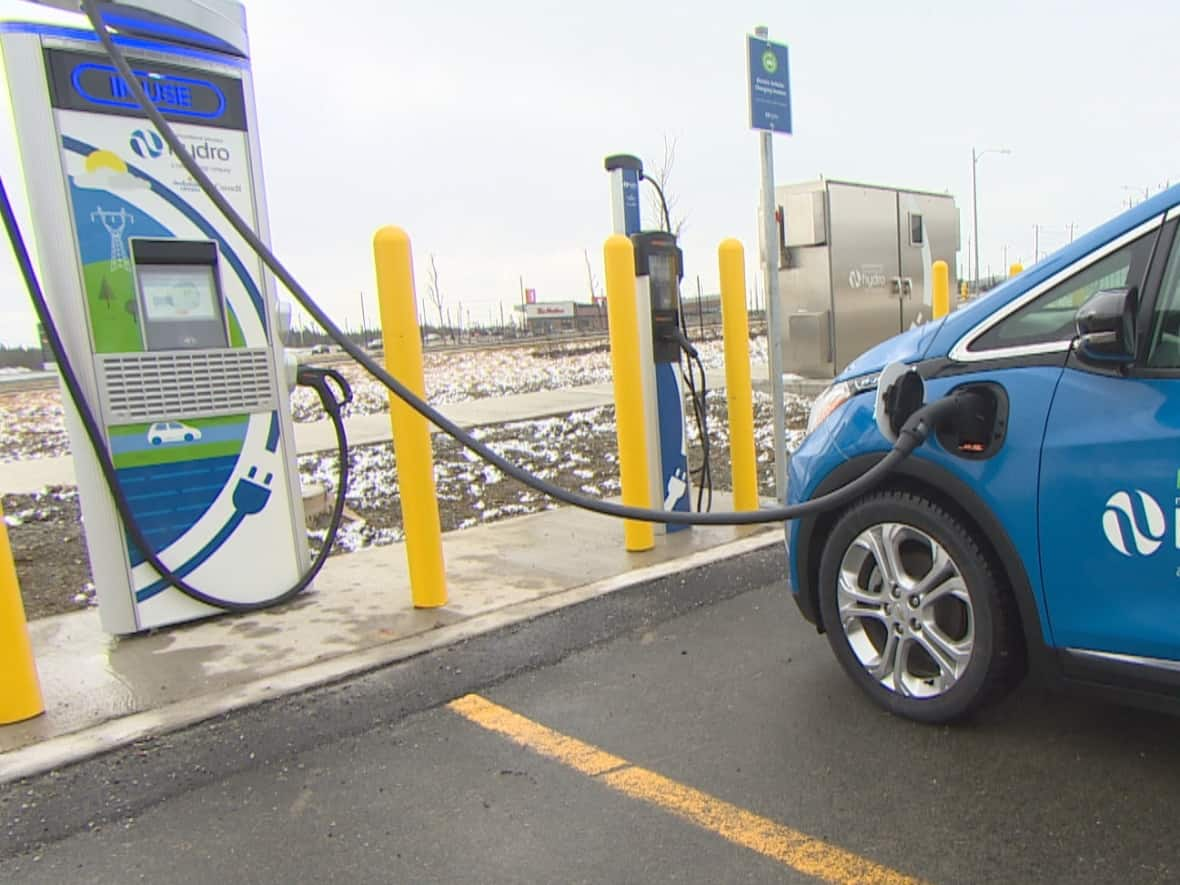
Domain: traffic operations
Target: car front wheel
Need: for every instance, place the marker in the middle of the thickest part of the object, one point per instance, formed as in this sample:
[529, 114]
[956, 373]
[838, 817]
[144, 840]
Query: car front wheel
[913, 609]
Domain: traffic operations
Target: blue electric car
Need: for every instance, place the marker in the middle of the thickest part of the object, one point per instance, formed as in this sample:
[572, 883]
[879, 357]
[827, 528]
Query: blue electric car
[1042, 536]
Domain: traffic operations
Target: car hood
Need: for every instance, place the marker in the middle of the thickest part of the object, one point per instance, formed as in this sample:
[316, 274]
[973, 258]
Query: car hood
[908, 347]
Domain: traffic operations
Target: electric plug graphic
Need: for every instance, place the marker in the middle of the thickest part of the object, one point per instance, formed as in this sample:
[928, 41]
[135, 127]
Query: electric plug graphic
[677, 485]
[250, 496]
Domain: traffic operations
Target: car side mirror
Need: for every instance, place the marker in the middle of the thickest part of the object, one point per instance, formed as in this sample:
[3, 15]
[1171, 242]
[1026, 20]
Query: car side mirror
[1106, 326]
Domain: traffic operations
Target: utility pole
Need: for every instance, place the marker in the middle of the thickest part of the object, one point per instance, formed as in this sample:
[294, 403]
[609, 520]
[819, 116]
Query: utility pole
[976, 156]
[364, 322]
[700, 312]
[1036, 243]
[975, 215]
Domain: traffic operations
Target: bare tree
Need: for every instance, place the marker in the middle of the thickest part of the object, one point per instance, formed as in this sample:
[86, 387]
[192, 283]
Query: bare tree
[661, 174]
[434, 293]
[595, 286]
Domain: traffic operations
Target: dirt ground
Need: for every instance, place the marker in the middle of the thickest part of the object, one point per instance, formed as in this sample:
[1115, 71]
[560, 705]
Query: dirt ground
[577, 452]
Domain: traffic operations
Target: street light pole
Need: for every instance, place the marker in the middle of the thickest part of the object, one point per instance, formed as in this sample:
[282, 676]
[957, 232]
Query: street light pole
[975, 213]
[975, 158]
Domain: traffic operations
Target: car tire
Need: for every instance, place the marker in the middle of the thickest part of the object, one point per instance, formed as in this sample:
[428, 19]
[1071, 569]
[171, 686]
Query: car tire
[188, 437]
[933, 636]
[156, 440]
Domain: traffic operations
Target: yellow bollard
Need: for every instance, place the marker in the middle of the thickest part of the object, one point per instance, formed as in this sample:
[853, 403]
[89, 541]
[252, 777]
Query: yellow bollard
[20, 690]
[623, 318]
[731, 259]
[1016, 269]
[963, 291]
[941, 281]
[411, 436]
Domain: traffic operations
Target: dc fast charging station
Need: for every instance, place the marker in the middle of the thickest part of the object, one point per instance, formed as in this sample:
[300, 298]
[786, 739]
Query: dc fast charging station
[659, 267]
[168, 319]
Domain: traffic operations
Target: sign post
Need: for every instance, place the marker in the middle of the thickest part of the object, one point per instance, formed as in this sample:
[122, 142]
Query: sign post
[770, 112]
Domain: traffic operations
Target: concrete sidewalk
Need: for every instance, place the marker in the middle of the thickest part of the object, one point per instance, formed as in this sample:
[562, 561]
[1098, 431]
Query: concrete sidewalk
[30, 476]
[102, 692]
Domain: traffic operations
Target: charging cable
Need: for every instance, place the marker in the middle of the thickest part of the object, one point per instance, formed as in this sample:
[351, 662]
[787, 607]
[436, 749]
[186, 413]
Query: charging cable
[913, 434]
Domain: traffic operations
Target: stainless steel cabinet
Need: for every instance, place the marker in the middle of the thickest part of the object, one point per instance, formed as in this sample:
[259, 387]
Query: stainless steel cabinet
[855, 267]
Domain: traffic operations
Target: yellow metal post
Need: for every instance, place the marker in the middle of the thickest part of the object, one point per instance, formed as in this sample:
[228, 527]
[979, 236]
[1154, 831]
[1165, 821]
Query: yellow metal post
[731, 260]
[1015, 269]
[963, 291]
[623, 317]
[20, 690]
[411, 436]
[941, 278]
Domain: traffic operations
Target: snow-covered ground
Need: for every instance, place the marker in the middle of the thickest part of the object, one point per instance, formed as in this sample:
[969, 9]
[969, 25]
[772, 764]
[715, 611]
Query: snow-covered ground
[457, 377]
[31, 422]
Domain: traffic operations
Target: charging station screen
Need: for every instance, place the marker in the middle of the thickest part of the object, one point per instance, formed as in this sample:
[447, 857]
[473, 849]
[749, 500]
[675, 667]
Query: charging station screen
[178, 293]
[662, 271]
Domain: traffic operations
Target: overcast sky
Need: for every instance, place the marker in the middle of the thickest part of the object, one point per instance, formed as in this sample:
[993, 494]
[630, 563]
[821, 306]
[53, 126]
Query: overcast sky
[481, 128]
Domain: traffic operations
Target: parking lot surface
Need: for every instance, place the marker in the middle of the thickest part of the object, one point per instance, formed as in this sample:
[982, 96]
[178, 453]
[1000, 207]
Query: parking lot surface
[724, 745]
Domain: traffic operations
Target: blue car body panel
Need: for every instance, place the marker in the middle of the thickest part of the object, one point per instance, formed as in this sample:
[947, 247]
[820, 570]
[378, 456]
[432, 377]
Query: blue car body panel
[1006, 483]
[1104, 598]
[1068, 489]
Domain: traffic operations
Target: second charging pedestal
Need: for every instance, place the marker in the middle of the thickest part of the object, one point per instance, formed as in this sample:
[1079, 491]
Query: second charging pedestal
[663, 391]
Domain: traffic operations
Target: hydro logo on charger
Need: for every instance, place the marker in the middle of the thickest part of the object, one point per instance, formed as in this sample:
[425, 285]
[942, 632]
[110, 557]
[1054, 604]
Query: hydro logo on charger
[147, 144]
[1121, 522]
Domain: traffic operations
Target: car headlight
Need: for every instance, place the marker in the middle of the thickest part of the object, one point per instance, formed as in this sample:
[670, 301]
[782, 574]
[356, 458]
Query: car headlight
[827, 402]
[836, 395]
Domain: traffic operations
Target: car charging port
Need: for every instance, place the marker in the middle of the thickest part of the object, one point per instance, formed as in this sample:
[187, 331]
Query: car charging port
[978, 429]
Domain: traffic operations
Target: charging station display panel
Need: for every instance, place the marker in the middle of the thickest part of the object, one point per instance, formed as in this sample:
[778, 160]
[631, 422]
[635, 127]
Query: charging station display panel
[179, 296]
[662, 271]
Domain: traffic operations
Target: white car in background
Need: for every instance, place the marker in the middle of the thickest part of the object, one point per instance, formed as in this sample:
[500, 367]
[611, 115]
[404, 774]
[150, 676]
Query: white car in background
[172, 432]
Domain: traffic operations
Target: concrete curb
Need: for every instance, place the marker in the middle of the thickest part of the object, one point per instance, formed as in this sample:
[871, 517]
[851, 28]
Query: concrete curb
[80, 746]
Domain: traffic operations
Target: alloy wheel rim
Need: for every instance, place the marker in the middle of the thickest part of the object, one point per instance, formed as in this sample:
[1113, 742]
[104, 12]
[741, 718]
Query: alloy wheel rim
[905, 610]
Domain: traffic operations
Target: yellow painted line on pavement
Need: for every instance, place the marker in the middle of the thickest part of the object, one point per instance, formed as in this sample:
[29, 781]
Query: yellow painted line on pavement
[800, 852]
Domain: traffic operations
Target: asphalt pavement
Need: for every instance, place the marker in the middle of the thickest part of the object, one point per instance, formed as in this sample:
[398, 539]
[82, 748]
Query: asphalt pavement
[716, 744]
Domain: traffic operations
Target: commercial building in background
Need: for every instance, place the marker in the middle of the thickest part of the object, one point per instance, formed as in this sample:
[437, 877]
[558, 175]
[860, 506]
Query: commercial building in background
[854, 267]
[702, 314]
[555, 317]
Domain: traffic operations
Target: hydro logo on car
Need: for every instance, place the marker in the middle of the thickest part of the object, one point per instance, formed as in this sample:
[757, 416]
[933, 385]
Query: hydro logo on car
[1120, 522]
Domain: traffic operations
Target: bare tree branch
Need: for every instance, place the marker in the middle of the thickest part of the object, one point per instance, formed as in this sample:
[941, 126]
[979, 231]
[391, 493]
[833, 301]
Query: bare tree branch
[595, 287]
[434, 293]
[661, 174]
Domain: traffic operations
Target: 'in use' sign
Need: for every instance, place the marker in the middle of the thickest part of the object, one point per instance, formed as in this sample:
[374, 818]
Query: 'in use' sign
[770, 88]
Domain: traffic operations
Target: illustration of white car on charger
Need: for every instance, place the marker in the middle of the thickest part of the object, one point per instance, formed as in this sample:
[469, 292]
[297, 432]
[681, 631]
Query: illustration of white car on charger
[172, 432]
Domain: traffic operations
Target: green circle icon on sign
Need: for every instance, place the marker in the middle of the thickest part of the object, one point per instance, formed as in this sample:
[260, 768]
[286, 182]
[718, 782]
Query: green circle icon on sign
[769, 61]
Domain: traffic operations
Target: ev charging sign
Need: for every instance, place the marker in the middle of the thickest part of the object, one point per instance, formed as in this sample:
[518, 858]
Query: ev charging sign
[770, 86]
